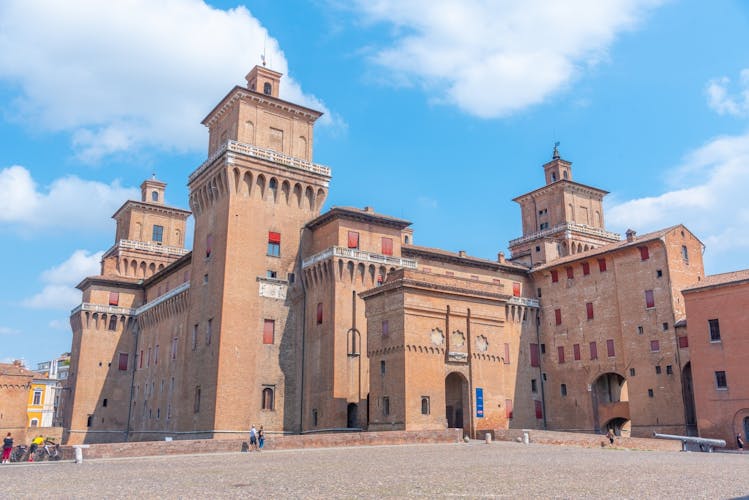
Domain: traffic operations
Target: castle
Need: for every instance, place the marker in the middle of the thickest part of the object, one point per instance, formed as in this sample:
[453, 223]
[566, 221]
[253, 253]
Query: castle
[306, 321]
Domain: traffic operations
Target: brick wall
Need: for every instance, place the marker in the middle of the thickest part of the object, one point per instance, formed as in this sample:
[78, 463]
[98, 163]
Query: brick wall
[586, 440]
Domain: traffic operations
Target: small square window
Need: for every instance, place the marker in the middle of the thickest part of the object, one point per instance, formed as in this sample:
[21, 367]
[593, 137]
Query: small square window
[657, 369]
[650, 393]
[538, 248]
[534, 385]
[658, 273]
[665, 327]
[563, 389]
[631, 372]
[669, 370]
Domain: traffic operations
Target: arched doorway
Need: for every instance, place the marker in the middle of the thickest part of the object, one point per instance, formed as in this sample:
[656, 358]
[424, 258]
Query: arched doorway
[620, 426]
[456, 400]
[610, 398]
[352, 415]
[746, 428]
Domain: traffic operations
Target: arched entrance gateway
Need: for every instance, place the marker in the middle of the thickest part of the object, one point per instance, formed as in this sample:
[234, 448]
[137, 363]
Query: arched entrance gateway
[352, 413]
[610, 397]
[456, 401]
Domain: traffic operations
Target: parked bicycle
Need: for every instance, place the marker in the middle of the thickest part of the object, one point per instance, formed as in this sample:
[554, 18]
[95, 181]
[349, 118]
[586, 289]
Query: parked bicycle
[19, 453]
[50, 451]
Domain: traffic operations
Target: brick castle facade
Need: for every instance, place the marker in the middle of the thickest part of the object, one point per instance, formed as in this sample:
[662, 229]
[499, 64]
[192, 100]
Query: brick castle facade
[302, 321]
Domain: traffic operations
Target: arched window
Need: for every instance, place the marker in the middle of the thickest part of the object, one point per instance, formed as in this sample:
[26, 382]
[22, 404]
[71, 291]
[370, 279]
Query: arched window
[154, 196]
[267, 88]
[406, 240]
[553, 177]
[267, 399]
[425, 405]
[113, 323]
[564, 173]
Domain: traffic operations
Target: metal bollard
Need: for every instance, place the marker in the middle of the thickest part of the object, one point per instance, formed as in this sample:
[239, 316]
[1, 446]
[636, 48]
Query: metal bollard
[78, 455]
[488, 438]
[526, 438]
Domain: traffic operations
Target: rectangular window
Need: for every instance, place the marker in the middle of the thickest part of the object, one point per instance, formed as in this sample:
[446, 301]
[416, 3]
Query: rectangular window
[554, 276]
[271, 274]
[651, 393]
[534, 385]
[208, 331]
[319, 313]
[644, 253]
[386, 406]
[658, 273]
[425, 410]
[507, 354]
[669, 370]
[610, 348]
[683, 342]
[196, 402]
[148, 359]
[570, 272]
[685, 253]
[194, 336]
[156, 355]
[657, 369]
[602, 265]
[158, 233]
[560, 354]
[353, 239]
[543, 225]
[563, 389]
[385, 328]
[665, 327]
[586, 268]
[140, 363]
[640, 330]
[123, 361]
[269, 328]
[632, 372]
[208, 245]
[508, 408]
[516, 289]
[655, 345]
[558, 316]
[387, 246]
[174, 348]
[539, 409]
[274, 244]
[38, 398]
[114, 298]
[720, 380]
[576, 351]
[534, 355]
[589, 310]
[649, 299]
[593, 350]
[714, 330]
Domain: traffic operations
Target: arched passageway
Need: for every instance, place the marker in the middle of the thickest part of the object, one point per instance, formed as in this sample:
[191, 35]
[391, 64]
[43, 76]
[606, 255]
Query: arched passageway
[456, 401]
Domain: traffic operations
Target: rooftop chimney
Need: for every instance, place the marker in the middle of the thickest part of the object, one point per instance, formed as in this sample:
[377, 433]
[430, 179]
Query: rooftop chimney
[462, 253]
[631, 235]
[501, 257]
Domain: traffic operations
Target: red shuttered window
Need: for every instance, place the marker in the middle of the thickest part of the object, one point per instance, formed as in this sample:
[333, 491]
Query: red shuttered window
[593, 350]
[649, 299]
[123, 361]
[539, 409]
[114, 298]
[269, 327]
[655, 345]
[589, 310]
[576, 351]
[570, 272]
[602, 265]
[586, 268]
[516, 289]
[274, 237]
[353, 239]
[558, 316]
[683, 342]
[534, 355]
[644, 253]
[387, 246]
[554, 276]
[560, 353]
[610, 348]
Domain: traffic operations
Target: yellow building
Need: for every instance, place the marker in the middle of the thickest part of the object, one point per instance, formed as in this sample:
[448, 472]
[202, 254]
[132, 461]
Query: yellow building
[41, 402]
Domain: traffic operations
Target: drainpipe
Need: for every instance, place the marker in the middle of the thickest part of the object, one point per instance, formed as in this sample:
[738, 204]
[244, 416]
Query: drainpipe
[471, 429]
[136, 332]
[304, 330]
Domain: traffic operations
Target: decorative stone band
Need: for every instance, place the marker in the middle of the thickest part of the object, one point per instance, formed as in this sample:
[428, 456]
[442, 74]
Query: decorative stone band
[171, 293]
[150, 247]
[263, 154]
[352, 253]
[567, 226]
[523, 301]
[102, 309]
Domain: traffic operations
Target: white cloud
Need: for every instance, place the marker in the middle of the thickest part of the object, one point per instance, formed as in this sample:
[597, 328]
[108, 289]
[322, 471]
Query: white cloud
[128, 74]
[59, 324]
[6, 331]
[69, 202]
[709, 202]
[494, 58]
[721, 101]
[59, 291]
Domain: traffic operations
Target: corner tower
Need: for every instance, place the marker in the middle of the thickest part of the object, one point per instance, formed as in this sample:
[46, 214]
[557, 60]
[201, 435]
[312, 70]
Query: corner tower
[562, 218]
[251, 198]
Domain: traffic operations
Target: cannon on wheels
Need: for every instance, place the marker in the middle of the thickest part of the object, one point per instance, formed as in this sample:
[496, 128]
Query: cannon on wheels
[690, 443]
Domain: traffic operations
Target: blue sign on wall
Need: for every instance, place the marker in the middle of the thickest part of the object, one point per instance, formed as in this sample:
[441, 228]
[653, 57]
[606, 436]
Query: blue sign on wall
[479, 402]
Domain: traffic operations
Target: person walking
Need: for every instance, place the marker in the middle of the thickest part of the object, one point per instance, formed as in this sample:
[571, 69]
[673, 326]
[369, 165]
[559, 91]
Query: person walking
[253, 438]
[739, 442]
[610, 435]
[260, 438]
[7, 448]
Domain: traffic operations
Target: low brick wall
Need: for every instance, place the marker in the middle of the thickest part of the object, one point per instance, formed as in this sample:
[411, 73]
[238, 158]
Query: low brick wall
[272, 442]
[587, 440]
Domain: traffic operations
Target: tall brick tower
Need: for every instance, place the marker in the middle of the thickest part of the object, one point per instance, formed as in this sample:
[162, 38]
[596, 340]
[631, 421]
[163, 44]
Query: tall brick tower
[251, 198]
[148, 238]
[561, 218]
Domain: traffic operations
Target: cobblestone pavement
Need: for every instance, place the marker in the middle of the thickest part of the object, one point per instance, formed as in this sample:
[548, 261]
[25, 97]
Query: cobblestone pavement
[457, 470]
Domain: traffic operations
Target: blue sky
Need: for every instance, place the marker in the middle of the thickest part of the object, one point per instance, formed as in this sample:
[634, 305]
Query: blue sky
[437, 112]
